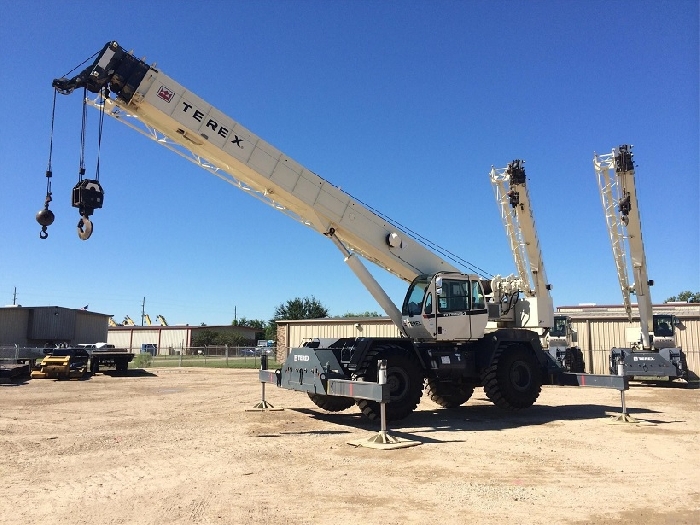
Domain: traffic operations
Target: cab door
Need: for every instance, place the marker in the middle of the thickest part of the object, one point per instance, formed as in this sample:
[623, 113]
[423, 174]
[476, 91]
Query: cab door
[453, 322]
[417, 315]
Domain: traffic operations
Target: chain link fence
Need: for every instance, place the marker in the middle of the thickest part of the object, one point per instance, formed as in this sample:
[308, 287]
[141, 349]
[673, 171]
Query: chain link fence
[209, 356]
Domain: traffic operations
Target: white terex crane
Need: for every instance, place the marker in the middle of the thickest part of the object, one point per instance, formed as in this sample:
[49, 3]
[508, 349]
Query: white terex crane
[652, 351]
[444, 314]
[510, 188]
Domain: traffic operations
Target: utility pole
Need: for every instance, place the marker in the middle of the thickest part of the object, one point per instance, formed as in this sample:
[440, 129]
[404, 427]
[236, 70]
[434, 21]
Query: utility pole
[143, 310]
[14, 297]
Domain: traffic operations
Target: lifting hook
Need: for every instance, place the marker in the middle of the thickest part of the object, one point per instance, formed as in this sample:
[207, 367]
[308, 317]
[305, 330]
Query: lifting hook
[88, 195]
[84, 228]
[45, 217]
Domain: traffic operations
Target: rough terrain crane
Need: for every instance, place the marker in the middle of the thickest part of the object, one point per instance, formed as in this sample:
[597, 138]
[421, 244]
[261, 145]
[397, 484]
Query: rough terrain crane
[443, 319]
[510, 188]
[652, 352]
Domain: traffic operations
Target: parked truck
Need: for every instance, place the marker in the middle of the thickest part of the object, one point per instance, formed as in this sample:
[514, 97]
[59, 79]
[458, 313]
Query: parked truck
[459, 331]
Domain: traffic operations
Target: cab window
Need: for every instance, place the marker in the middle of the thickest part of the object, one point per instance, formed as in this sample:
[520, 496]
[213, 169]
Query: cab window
[455, 296]
[429, 304]
[559, 328]
[413, 303]
[663, 326]
[478, 300]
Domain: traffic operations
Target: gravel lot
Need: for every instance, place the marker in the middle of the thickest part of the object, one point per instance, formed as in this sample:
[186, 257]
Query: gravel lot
[173, 445]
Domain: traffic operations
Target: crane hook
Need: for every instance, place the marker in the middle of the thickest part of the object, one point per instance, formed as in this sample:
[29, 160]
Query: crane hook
[45, 217]
[84, 228]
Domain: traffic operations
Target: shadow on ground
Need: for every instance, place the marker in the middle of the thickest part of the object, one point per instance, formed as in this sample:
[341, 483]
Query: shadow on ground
[480, 418]
[132, 372]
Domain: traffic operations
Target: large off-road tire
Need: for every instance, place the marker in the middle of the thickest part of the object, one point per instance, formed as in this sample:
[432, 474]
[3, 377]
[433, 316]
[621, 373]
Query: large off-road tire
[331, 403]
[404, 374]
[514, 378]
[573, 361]
[684, 366]
[448, 394]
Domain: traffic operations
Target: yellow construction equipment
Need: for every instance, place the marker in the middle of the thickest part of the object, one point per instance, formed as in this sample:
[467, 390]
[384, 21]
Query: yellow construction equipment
[63, 363]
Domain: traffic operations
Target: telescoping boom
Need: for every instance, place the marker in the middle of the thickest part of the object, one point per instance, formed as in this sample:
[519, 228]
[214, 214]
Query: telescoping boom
[513, 198]
[159, 107]
[652, 351]
[459, 330]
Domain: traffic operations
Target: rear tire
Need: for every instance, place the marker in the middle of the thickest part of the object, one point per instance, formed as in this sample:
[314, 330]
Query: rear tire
[448, 394]
[331, 403]
[684, 366]
[404, 374]
[514, 378]
[573, 361]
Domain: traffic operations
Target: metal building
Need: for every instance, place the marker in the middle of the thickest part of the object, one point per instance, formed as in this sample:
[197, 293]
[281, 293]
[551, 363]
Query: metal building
[170, 340]
[39, 326]
[291, 334]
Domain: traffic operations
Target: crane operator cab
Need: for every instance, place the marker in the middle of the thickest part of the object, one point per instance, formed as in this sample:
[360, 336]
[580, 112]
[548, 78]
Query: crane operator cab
[664, 331]
[445, 307]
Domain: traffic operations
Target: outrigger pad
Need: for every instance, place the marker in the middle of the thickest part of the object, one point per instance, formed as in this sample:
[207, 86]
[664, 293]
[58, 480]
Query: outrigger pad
[383, 441]
[622, 419]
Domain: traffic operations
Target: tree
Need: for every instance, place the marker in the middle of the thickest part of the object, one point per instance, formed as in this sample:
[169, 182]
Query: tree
[250, 323]
[364, 314]
[213, 338]
[204, 338]
[685, 296]
[260, 326]
[297, 308]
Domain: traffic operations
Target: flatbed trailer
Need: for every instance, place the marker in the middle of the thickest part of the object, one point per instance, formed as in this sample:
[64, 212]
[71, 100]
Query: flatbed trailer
[113, 357]
[16, 362]
[11, 371]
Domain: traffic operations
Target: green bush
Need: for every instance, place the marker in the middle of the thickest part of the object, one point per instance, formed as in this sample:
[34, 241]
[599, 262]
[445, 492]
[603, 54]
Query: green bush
[142, 360]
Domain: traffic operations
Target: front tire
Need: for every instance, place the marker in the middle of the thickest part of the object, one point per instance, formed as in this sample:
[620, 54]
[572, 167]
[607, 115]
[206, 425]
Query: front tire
[404, 374]
[331, 403]
[448, 394]
[514, 379]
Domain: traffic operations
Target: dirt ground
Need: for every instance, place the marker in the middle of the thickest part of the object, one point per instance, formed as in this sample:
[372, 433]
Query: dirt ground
[178, 446]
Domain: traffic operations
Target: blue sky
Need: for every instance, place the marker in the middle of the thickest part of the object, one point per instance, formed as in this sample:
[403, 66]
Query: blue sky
[402, 104]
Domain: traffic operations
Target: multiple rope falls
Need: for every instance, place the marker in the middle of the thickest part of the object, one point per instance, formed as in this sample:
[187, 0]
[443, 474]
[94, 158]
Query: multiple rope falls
[87, 194]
